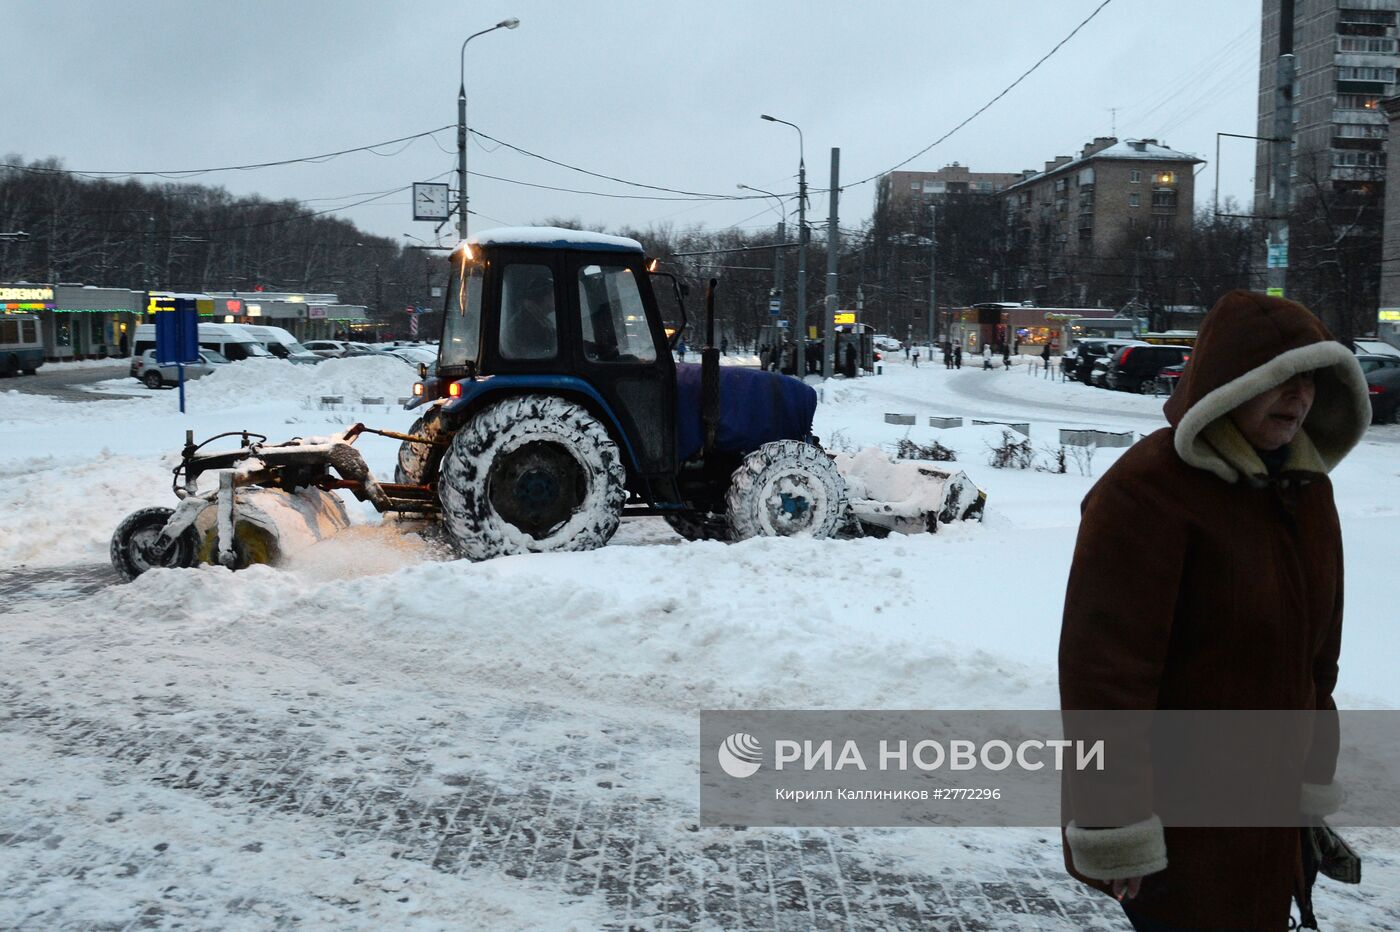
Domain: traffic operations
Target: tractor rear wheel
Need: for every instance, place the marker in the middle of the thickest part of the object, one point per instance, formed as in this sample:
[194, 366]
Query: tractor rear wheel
[786, 488]
[531, 474]
[132, 540]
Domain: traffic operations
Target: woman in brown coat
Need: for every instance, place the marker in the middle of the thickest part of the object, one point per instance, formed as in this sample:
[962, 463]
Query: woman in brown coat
[1208, 575]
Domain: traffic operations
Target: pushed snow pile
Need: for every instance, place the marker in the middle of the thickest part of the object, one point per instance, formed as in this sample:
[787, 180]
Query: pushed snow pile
[260, 380]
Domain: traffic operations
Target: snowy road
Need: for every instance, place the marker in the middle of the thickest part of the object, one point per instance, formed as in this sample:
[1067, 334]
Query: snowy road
[69, 382]
[216, 797]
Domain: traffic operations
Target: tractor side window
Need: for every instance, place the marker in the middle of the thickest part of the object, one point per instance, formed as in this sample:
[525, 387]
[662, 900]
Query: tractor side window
[528, 328]
[461, 332]
[614, 321]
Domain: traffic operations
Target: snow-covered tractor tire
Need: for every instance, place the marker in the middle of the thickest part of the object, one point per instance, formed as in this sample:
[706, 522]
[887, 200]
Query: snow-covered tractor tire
[695, 526]
[786, 488]
[418, 462]
[138, 530]
[531, 474]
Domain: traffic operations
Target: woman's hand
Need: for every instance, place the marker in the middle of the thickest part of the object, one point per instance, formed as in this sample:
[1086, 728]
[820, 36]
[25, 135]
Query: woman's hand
[1127, 888]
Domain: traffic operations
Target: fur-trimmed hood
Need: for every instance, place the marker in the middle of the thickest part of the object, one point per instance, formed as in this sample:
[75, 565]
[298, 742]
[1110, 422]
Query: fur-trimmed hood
[1248, 344]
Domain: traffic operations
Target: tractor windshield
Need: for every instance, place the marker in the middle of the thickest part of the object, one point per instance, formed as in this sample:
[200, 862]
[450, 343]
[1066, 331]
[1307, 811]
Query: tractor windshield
[461, 327]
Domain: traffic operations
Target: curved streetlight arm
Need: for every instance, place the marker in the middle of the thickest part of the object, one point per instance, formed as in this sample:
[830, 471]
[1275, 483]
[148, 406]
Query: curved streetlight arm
[801, 145]
[781, 206]
[462, 58]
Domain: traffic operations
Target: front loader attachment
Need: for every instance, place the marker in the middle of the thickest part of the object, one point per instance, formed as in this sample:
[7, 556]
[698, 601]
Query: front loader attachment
[906, 496]
[269, 501]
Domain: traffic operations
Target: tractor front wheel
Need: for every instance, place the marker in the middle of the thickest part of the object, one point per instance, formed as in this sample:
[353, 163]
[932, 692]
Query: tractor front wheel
[786, 488]
[132, 544]
[531, 474]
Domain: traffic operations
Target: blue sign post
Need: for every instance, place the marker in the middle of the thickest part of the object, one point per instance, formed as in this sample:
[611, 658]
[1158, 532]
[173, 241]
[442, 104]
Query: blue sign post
[177, 334]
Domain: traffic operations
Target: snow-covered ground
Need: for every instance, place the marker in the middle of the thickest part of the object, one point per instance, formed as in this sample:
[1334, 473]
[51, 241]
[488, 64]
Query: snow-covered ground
[376, 639]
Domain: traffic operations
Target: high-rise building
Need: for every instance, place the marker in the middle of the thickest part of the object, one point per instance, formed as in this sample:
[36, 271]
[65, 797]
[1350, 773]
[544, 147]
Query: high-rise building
[1346, 53]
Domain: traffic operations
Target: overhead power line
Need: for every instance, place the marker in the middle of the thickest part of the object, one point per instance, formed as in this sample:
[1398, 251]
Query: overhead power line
[982, 109]
[192, 172]
[635, 184]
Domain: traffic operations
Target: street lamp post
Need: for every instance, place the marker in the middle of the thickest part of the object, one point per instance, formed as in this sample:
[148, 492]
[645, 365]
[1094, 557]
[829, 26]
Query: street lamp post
[462, 125]
[777, 252]
[801, 361]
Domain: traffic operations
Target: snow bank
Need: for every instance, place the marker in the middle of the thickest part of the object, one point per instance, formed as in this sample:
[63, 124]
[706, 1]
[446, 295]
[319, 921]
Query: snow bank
[58, 512]
[253, 381]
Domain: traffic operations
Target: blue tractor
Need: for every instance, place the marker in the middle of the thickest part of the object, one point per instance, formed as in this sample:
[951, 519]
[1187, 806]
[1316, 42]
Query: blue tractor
[557, 407]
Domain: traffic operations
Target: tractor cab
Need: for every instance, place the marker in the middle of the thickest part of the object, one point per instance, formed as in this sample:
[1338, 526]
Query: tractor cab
[571, 312]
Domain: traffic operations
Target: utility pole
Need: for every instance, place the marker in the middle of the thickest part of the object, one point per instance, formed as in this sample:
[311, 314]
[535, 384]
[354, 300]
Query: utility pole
[801, 362]
[1280, 175]
[833, 246]
[932, 273]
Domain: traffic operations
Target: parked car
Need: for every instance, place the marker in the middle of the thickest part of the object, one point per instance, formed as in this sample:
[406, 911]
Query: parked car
[887, 343]
[1135, 368]
[413, 355]
[236, 342]
[282, 344]
[326, 349]
[145, 369]
[1373, 362]
[1384, 387]
[1088, 352]
[1170, 377]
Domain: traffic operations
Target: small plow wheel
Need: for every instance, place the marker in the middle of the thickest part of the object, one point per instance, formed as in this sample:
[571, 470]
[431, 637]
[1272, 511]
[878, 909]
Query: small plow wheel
[786, 488]
[133, 542]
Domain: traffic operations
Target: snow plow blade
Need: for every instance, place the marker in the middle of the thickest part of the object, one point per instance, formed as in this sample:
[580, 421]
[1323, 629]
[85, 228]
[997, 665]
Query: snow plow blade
[270, 501]
[906, 496]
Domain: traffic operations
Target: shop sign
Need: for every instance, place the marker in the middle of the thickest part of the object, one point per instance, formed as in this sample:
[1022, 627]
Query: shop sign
[1390, 315]
[316, 311]
[26, 293]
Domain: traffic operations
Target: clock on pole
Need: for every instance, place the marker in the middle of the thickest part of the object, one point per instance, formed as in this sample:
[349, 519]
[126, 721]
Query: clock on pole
[429, 201]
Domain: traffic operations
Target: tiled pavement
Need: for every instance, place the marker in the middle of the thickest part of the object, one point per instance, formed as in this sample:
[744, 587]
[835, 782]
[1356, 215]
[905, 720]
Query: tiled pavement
[559, 813]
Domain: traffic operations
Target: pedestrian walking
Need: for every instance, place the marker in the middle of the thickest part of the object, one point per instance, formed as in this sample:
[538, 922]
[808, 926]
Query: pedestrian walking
[724, 346]
[906, 349]
[957, 355]
[1045, 357]
[987, 356]
[1006, 356]
[916, 357]
[680, 350]
[1234, 601]
[947, 356]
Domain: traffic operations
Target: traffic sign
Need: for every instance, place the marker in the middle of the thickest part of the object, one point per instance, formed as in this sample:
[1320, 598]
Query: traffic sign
[845, 317]
[1278, 255]
[775, 307]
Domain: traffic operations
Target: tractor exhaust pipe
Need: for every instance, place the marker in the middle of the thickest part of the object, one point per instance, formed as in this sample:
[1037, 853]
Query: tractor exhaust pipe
[709, 372]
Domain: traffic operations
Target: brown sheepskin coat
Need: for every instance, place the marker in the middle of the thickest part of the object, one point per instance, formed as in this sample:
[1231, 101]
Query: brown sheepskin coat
[1200, 582]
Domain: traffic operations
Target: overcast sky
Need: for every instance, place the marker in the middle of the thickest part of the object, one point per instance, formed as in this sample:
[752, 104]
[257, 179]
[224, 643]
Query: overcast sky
[663, 93]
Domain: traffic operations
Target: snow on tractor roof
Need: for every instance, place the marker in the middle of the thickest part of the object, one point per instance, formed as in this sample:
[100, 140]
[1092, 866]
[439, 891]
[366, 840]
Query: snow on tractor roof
[553, 238]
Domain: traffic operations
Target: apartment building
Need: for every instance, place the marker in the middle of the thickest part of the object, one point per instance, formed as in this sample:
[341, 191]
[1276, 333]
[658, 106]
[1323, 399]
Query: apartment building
[901, 188]
[1105, 201]
[1346, 53]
